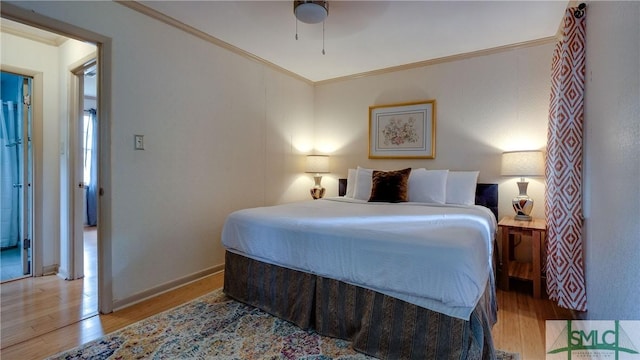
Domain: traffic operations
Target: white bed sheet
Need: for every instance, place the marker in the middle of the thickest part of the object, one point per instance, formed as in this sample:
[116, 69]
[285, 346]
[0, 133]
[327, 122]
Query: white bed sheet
[434, 256]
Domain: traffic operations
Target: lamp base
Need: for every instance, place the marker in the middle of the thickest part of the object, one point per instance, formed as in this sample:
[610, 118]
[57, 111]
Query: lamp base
[522, 205]
[522, 218]
[317, 193]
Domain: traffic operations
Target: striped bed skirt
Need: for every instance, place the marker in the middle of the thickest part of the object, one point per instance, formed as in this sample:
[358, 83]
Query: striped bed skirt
[377, 325]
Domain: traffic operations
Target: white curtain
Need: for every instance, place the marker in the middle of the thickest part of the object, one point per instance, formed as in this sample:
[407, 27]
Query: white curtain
[10, 119]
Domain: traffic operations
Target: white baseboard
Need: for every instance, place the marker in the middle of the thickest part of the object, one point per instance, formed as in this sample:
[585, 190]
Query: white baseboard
[160, 289]
[50, 269]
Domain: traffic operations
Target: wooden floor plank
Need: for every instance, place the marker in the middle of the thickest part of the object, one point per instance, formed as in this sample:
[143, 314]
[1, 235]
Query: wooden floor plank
[532, 339]
[506, 332]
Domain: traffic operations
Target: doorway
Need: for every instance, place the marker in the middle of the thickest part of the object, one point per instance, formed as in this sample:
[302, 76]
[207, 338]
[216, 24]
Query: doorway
[60, 144]
[56, 248]
[53, 177]
[102, 46]
[16, 193]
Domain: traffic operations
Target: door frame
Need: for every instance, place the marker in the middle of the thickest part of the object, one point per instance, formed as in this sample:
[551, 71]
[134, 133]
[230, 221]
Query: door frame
[104, 56]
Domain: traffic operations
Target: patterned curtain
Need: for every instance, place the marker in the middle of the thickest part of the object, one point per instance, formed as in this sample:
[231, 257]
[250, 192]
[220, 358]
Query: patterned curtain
[563, 168]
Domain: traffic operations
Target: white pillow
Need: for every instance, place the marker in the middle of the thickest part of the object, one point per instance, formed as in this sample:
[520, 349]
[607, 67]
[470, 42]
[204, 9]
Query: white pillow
[351, 183]
[362, 190]
[428, 186]
[461, 187]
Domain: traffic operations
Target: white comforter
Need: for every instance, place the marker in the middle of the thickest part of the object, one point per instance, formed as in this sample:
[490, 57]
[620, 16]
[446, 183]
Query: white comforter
[437, 257]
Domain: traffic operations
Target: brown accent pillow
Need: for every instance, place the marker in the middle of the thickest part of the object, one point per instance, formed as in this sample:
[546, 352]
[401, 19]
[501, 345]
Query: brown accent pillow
[390, 186]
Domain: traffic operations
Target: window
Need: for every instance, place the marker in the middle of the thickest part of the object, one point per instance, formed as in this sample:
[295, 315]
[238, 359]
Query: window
[87, 146]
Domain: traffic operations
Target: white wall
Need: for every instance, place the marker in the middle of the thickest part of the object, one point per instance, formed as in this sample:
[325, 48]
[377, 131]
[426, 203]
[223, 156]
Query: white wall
[612, 160]
[485, 105]
[222, 132]
[36, 57]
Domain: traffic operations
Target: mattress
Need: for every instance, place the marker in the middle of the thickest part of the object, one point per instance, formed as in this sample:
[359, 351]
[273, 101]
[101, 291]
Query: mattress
[434, 256]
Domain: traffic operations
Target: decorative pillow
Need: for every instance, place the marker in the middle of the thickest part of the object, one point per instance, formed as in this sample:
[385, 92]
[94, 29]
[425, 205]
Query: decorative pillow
[390, 186]
[362, 190]
[461, 187]
[351, 183]
[428, 186]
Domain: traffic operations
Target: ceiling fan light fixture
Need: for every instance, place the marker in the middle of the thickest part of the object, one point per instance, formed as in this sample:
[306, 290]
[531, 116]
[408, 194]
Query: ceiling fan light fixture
[311, 12]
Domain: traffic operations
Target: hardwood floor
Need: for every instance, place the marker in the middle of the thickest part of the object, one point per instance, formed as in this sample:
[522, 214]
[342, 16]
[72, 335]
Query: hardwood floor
[34, 306]
[521, 322]
[80, 332]
[520, 327]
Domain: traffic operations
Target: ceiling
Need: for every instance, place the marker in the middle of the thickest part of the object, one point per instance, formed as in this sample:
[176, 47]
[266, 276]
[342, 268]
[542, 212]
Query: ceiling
[360, 36]
[365, 36]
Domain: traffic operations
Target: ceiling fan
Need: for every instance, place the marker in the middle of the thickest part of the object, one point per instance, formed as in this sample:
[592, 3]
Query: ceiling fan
[311, 12]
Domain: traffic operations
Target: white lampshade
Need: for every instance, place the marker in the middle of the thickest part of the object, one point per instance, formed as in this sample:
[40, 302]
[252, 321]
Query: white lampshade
[523, 163]
[311, 12]
[317, 164]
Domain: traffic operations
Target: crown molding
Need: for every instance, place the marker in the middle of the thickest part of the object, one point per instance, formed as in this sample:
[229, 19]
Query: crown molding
[445, 59]
[57, 41]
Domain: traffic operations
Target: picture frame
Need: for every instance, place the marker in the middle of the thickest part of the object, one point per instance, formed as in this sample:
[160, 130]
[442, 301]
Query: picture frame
[403, 131]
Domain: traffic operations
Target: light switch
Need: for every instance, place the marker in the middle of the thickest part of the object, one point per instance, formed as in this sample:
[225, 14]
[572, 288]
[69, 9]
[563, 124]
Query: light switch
[139, 142]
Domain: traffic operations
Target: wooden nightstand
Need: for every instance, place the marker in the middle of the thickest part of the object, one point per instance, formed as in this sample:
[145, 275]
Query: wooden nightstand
[537, 229]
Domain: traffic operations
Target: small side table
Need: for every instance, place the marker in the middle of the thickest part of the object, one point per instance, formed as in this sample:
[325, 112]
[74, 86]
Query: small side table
[537, 229]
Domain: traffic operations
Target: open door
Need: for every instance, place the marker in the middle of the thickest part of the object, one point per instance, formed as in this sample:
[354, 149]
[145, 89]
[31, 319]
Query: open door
[103, 56]
[83, 168]
[16, 189]
[26, 195]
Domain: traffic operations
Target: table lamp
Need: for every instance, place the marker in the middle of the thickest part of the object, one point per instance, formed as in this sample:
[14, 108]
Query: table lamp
[317, 164]
[522, 163]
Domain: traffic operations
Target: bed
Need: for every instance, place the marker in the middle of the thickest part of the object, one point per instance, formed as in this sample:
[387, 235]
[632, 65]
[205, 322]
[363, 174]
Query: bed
[399, 280]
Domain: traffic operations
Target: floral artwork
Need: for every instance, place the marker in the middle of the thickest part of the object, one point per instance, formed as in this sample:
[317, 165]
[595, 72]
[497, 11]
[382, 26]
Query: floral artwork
[398, 132]
[402, 131]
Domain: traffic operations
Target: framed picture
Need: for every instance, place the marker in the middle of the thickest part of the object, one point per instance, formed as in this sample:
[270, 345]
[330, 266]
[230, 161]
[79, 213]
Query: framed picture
[403, 131]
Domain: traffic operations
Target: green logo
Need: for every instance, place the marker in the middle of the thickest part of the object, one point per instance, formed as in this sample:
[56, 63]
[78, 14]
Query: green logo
[580, 340]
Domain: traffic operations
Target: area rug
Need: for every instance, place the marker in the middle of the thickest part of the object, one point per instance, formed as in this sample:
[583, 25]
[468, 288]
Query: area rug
[217, 327]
